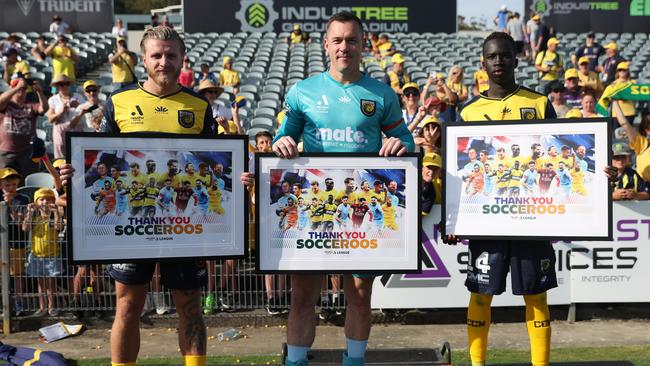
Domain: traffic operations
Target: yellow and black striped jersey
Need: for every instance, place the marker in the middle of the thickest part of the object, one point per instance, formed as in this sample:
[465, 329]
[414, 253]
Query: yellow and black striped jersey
[133, 109]
[522, 104]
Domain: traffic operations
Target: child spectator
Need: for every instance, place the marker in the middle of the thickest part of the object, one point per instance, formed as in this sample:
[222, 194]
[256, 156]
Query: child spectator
[228, 76]
[43, 220]
[629, 184]
[16, 204]
[431, 182]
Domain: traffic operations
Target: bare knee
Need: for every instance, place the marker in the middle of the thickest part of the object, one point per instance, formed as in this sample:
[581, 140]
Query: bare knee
[305, 291]
[358, 293]
[129, 304]
[188, 304]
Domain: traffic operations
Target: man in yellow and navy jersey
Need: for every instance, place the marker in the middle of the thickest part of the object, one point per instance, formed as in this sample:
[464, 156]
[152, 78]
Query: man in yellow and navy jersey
[134, 109]
[158, 104]
[531, 264]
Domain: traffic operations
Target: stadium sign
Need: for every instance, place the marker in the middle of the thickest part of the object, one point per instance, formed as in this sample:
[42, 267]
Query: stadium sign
[36, 15]
[590, 15]
[282, 15]
[585, 270]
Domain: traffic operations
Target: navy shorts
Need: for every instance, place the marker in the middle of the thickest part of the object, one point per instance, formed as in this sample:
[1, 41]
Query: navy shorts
[531, 265]
[179, 275]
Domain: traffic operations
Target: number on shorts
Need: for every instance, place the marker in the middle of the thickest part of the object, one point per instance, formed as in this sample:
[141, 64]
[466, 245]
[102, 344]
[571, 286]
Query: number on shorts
[482, 262]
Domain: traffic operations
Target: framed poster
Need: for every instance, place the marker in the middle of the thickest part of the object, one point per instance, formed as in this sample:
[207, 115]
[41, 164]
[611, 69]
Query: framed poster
[156, 196]
[337, 213]
[511, 180]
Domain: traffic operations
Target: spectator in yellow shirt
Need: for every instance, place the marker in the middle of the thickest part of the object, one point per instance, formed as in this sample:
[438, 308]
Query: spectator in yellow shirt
[481, 81]
[639, 139]
[13, 65]
[549, 64]
[228, 76]
[588, 79]
[397, 77]
[122, 63]
[622, 80]
[384, 47]
[43, 220]
[297, 36]
[63, 59]
[456, 84]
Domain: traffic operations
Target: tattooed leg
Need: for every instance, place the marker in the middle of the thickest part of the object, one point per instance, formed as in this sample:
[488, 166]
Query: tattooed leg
[192, 336]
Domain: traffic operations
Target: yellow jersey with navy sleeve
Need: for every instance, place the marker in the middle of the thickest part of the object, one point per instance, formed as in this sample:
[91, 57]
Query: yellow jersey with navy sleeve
[522, 104]
[133, 109]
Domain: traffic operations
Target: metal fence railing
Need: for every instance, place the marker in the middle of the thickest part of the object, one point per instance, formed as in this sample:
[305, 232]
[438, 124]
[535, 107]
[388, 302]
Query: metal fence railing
[52, 286]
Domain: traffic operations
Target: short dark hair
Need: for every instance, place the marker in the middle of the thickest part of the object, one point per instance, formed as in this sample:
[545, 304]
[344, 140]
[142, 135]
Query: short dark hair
[344, 17]
[262, 134]
[499, 36]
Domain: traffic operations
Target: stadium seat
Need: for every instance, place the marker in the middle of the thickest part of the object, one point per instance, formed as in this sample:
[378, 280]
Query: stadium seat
[264, 112]
[268, 103]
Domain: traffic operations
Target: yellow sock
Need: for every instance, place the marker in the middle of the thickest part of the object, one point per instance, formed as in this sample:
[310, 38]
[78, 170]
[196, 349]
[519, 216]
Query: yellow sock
[538, 322]
[194, 360]
[122, 363]
[478, 326]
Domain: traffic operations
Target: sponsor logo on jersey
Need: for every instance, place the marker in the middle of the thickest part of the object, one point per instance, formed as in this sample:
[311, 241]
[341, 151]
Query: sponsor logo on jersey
[345, 99]
[161, 110]
[528, 113]
[186, 118]
[368, 107]
[322, 106]
[137, 116]
[347, 135]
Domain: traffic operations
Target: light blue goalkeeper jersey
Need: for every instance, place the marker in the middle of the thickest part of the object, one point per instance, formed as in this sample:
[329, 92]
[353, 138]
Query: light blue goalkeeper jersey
[333, 117]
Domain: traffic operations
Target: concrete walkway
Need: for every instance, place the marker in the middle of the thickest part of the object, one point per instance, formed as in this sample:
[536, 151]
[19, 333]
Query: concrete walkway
[267, 340]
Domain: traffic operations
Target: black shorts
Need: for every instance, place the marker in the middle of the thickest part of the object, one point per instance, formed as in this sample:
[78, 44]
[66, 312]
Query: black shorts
[531, 265]
[502, 191]
[315, 225]
[179, 275]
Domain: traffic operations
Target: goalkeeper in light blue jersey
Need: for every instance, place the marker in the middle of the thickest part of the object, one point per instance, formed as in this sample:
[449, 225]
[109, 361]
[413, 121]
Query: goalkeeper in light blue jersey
[340, 110]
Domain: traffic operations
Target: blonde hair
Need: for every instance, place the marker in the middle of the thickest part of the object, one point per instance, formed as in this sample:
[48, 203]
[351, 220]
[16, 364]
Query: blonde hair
[460, 74]
[162, 33]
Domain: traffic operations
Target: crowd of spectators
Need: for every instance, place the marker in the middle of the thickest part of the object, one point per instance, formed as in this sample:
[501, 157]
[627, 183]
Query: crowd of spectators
[575, 86]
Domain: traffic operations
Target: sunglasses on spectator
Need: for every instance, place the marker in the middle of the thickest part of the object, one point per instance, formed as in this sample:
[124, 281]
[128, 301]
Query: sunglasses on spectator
[91, 90]
[556, 90]
[411, 94]
[62, 84]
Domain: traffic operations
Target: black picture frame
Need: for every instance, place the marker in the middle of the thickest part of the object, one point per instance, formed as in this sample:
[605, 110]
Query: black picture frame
[378, 272]
[242, 149]
[543, 126]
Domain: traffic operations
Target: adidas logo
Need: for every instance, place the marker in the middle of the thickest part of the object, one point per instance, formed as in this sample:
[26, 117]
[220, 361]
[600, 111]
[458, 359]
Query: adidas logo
[161, 109]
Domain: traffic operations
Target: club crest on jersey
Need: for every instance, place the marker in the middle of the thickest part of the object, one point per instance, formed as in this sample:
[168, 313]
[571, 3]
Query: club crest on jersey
[186, 118]
[545, 265]
[528, 113]
[368, 107]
